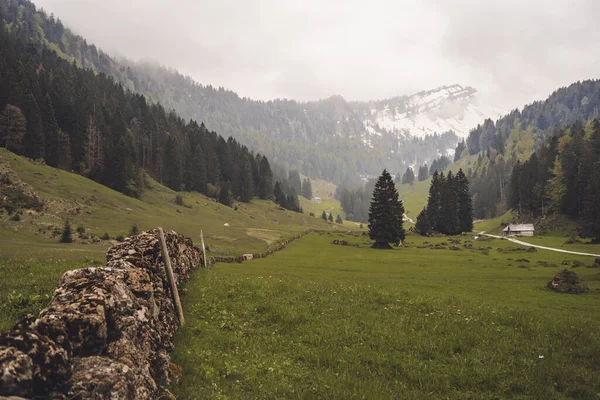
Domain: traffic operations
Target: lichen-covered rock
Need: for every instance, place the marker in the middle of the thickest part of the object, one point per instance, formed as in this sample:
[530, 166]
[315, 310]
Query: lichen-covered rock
[567, 282]
[16, 372]
[107, 332]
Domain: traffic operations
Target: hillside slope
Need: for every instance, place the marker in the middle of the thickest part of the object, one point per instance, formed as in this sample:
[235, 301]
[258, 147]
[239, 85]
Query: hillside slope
[252, 226]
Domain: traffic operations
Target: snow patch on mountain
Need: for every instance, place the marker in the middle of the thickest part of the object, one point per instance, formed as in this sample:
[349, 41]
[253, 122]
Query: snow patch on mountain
[449, 108]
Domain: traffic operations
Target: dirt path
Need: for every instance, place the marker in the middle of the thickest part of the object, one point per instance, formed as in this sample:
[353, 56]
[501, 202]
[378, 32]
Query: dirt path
[522, 243]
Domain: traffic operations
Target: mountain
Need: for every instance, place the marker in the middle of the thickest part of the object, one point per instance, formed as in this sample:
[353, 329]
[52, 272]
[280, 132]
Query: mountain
[447, 108]
[331, 139]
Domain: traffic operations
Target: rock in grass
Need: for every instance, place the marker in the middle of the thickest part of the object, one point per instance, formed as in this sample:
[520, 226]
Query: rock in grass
[340, 242]
[577, 264]
[532, 250]
[567, 282]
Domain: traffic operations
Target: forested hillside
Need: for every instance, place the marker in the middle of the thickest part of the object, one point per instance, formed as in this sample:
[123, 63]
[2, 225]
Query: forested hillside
[331, 139]
[539, 160]
[562, 177]
[79, 120]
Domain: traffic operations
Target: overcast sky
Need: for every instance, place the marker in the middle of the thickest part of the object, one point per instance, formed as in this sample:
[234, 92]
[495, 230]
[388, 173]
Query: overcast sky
[513, 51]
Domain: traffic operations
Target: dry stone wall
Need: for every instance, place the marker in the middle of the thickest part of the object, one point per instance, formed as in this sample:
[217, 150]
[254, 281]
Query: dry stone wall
[107, 332]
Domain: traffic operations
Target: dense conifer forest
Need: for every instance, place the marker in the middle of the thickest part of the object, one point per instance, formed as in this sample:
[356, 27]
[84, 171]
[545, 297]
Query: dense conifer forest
[78, 120]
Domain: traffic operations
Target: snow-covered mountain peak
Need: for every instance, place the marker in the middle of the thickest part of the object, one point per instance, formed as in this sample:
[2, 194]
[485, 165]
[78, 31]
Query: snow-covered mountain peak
[448, 108]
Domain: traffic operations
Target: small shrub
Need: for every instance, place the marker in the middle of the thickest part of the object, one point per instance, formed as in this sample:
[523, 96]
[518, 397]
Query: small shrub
[80, 229]
[134, 230]
[20, 305]
[312, 214]
[5, 179]
[67, 234]
[179, 200]
[16, 217]
[120, 238]
[106, 236]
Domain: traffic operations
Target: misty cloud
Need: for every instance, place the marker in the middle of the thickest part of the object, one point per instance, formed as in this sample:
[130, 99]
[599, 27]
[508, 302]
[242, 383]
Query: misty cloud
[512, 51]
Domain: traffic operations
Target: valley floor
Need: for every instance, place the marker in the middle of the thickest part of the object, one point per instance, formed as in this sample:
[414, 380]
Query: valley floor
[319, 320]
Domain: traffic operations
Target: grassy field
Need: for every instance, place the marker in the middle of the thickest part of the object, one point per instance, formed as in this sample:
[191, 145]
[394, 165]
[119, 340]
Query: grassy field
[324, 321]
[32, 260]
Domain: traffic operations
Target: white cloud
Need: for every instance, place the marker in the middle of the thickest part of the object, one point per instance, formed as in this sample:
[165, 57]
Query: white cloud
[513, 51]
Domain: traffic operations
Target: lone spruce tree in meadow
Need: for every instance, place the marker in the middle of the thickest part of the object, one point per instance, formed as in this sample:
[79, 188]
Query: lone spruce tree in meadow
[67, 233]
[385, 213]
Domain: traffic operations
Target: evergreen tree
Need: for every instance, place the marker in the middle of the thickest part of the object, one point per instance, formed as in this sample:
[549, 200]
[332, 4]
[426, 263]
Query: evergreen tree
[34, 134]
[423, 173]
[265, 186]
[423, 227]
[459, 150]
[225, 196]
[307, 188]
[247, 184]
[294, 181]
[434, 203]
[339, 220]
[385, 213]
[330, 217]
[67, 233]
[293, 203]
[324, 216]
[464, 203]
[172, 164]
[12, 129]
[408, 177]
[199, 176]
[134, 230]
[591, 210]
[448, 220]
[280, 197]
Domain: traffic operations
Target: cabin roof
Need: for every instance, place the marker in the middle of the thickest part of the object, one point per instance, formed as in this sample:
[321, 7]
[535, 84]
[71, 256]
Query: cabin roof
[519, 227]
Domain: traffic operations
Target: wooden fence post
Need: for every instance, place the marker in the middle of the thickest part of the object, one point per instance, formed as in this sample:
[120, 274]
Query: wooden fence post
[203, 249]
[171, 277]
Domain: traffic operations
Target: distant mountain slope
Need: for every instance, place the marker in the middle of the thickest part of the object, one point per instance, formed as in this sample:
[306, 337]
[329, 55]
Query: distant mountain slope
[448, 108]
[331, 139]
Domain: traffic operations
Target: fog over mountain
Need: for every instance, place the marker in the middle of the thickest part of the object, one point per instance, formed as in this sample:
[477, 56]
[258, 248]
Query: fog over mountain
[511, 51]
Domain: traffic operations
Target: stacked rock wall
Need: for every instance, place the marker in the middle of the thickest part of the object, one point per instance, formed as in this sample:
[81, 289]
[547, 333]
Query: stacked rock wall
[107, 332]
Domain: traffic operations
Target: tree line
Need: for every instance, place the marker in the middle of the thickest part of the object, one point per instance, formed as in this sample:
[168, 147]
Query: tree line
[81, 121]
[562, 177]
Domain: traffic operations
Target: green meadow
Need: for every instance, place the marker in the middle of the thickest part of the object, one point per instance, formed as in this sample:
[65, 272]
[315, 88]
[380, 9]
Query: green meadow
[319, 320]
[32, 261]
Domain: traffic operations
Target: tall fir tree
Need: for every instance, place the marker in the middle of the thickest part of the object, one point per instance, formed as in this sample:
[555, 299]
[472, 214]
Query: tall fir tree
[423, 173]
[200, 178]
[247, 184]
[265, 185]
[434, 203]
[591, 209]
[408, 177]
[12, 129]
[294, 180]
[307, 189]
[448, 219]
[423, 227]
[464, 203]
[225, 196]
[385, 213]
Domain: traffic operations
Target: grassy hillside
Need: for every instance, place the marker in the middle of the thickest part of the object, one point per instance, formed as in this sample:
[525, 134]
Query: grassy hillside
[32, 260]
[415, 323]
